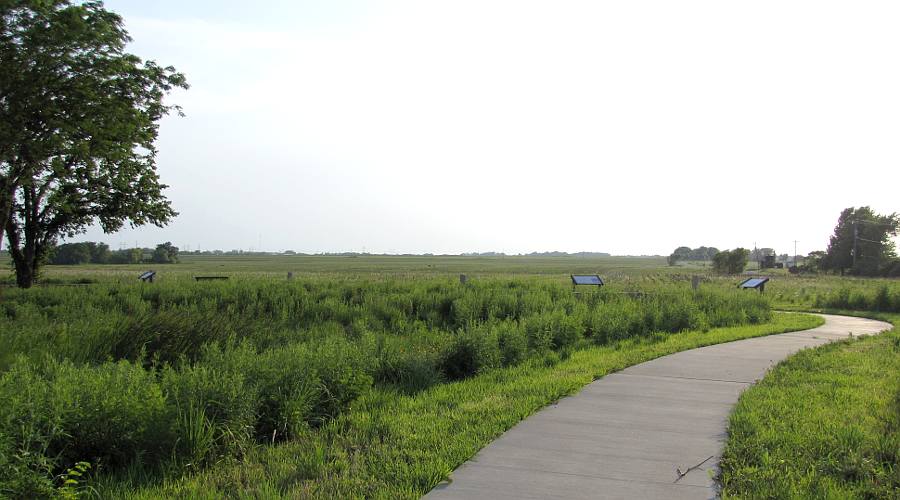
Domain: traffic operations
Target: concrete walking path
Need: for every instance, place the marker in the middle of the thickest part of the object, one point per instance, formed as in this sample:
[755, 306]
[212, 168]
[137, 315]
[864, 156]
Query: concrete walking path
[626, 435]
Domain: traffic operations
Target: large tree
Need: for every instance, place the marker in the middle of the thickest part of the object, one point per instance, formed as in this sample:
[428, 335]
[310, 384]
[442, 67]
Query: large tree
[78, 121]
[731, 261]
[861, 242]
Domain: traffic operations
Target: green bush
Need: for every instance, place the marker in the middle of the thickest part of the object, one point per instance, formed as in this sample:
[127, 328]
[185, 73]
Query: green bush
[538, 333]
[512, 342]
[343, 373]
[60, 414]
[411, 367]
[295, 386]
[471, 352]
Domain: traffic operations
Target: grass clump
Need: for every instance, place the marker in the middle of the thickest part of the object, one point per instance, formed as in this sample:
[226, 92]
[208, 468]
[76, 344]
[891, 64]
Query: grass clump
[121, 416]
[825, 423]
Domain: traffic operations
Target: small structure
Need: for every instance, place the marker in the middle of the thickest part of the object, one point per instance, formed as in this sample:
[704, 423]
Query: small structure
[586, 279]
[147, 276]
[754, 283]
[210, 278]
[463, 279]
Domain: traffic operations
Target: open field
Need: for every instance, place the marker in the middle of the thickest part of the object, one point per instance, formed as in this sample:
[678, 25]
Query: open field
[359, 266]
[319, 385]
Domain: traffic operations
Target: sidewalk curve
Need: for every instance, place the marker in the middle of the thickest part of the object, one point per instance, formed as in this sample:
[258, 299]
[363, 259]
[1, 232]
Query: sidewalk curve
[626, 434]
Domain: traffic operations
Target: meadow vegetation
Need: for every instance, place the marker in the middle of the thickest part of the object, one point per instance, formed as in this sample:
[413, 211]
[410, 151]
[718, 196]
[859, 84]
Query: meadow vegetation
[368, 376]
[160, 380]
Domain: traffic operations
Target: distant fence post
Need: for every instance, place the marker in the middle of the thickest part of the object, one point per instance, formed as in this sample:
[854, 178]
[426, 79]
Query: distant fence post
[463, 279]
[290, 275]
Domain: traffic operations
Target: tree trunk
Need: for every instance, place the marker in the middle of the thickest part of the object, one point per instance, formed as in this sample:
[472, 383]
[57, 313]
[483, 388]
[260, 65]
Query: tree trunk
[24, 274]
[24, 259]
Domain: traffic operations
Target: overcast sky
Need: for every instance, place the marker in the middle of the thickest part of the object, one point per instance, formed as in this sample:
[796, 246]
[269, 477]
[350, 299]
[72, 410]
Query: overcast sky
[625, 127]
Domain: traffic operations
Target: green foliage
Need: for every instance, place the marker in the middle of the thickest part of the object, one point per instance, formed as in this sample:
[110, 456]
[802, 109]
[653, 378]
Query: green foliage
[471, 352]
[79, 253]
[119, 414]
[127, 256]
[193, 374]
[884, 298]
[391, 446]
[696, 254]
[868, 235]
[64, 69]
[823, 424]
[165, 253]
[59, 414]
[731, 261]
[813, 262]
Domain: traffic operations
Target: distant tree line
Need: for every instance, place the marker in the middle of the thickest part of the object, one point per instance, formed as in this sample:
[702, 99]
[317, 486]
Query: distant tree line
[692, 254]
[537, 254]
[90, 252]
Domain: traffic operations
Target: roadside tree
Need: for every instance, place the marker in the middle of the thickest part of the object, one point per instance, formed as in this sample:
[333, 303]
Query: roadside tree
[862, 243]
[78, 121]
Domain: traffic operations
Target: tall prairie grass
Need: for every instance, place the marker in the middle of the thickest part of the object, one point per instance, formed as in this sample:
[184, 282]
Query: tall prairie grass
[171, 377]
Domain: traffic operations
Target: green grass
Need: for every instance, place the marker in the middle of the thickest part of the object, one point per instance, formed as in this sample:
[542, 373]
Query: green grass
[363, 376]
[367, 266]
[825, 423]
[391, 445]
[158, 381]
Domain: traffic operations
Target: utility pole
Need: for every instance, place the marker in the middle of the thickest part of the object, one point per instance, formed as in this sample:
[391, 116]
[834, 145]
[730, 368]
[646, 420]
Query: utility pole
[795, 252]
[855, 239]
[756, 251]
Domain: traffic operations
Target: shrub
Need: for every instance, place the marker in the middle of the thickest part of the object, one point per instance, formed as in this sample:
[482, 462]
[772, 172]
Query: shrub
[343, 374]
[411, 367]
[567, 330]
[538, 333]
[471, 352]
[61, 414]
[296, 386]
[511, 342]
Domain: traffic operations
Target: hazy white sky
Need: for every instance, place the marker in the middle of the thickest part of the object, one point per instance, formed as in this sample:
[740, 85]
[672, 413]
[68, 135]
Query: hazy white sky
[424, 126]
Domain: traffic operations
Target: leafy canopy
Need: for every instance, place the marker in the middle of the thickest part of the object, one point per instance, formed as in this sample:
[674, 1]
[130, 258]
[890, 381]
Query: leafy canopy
[78, 121]
[861, 242]
[731, 261]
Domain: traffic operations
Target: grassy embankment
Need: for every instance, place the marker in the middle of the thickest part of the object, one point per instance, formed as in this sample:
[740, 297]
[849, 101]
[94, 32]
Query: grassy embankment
[189, 385]
[395, 446]
[825, 423]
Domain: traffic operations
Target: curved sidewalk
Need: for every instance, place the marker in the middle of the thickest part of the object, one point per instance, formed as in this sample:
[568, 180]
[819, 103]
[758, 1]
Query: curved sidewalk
[628, 434]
